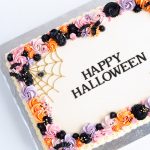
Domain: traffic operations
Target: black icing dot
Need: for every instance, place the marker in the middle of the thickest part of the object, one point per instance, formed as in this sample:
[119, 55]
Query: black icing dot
[102, 28]
[85, 138]
[60, 39]
[41, 74]
[99, 126]
[58, 36]
[45, 38]
[10, 57]
[53, 33]
[139, 111]
[72, 28]
[78, 34]
[61, 134]
[113, 115]
[111, 9]
[42, 128]
[29, 82]
[75, 136]
[137, 9]
[47, 120]
[37, 57]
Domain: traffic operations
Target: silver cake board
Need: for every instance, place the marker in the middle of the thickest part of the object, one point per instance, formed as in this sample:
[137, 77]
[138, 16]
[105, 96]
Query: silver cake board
[6, 47]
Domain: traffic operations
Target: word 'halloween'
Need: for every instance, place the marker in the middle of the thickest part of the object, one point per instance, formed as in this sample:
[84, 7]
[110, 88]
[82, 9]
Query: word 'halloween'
[94, 81]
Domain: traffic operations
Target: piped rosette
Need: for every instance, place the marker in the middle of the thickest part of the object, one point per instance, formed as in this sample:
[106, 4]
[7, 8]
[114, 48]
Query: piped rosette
[144, 4]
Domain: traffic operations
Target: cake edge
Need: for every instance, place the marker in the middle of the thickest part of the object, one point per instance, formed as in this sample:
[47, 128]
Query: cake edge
[89, 146]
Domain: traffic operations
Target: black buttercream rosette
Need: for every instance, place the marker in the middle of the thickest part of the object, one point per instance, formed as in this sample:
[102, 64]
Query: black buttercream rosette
[111, 9]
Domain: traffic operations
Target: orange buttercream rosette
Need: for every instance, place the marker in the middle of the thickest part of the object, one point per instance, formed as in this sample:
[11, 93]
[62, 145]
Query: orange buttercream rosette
[32, 102]
[63, 28]
[37, 109]
[48, 141]
[52, 45]
[30, 50]
[124, 118]
[144, 4]
[79, 143]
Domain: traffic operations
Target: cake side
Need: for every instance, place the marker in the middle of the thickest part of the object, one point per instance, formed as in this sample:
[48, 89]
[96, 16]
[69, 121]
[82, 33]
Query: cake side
[37, 104]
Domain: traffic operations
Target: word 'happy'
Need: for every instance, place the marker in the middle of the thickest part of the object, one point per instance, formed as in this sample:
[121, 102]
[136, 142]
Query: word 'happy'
[97, 76]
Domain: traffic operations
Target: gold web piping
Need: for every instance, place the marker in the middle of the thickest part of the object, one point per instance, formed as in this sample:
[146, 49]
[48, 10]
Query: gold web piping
[50, 64]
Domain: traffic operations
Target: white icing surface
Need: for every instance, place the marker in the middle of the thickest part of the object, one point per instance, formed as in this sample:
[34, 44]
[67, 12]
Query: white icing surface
[128, 34]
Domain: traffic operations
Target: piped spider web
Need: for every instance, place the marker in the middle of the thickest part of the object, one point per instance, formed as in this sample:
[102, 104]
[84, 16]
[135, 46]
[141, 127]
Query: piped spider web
[50, 65]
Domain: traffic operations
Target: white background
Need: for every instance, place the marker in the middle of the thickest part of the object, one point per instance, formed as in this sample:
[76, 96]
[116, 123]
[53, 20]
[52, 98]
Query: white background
[17, 17]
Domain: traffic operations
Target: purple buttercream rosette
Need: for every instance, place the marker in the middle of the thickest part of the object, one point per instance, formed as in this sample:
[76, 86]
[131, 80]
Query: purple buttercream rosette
[29, 92]
[69, 139]
[31, 62]
[147, 103]
[89, 129]
[127, 4]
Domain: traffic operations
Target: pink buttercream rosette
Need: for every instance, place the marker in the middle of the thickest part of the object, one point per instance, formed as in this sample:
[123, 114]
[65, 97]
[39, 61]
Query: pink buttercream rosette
[18, 58]
[89, 18]
[107, 124]
[38, 46]
[52, 130]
